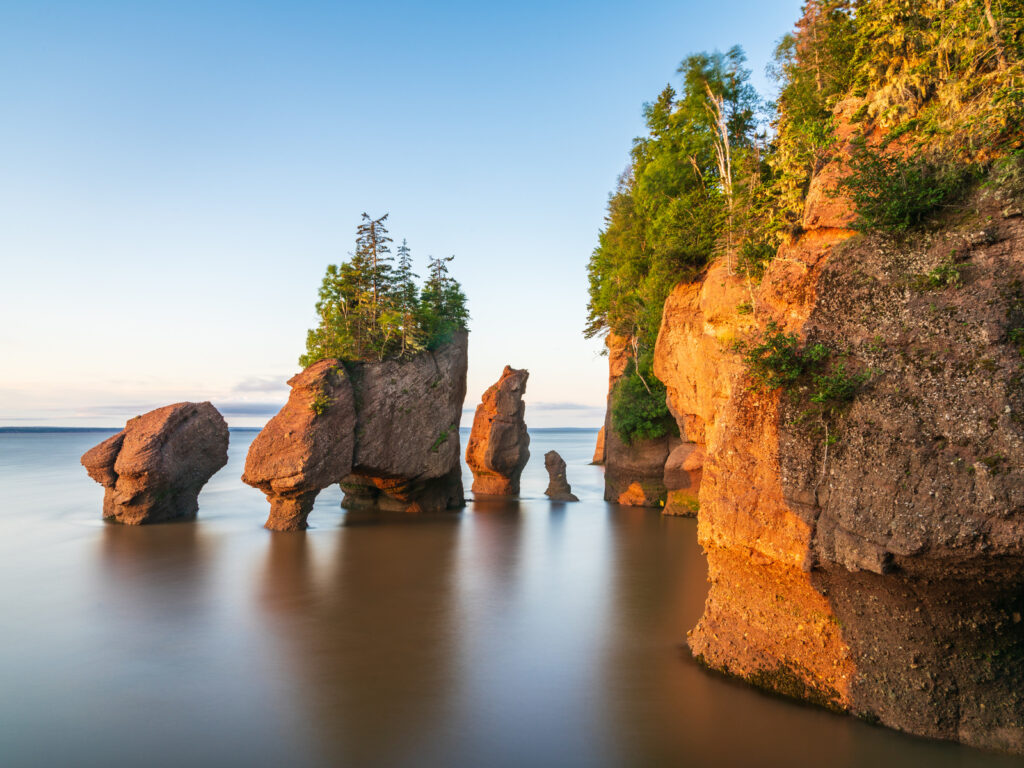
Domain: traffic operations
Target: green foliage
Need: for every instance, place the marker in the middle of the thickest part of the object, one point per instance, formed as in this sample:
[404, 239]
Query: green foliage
[667, 216]
[370, 308]
[775, 360]
[893, 194]
[639, 410]
[441, 438]
[946, 275]
[321, 402]
[837, 388]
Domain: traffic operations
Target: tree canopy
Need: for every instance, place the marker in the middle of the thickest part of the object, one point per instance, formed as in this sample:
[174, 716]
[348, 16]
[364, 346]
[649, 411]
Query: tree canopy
[370, 306]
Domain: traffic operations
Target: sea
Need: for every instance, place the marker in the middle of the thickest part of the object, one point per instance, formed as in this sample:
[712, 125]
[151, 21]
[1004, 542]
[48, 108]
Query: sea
[519, 633]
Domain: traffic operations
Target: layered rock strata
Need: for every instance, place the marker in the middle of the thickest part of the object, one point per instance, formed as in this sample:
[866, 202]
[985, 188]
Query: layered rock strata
[558, 486]
[387, 431]
[153, 469]
[498, 446]
[868, 561]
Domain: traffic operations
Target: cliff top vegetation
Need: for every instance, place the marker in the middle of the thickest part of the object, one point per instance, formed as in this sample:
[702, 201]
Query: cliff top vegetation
[938, 86]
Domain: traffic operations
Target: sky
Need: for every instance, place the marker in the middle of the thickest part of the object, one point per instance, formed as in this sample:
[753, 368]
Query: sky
[175, 177]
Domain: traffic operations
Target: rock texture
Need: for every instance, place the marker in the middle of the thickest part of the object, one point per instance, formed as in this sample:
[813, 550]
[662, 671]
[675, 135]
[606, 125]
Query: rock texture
[634, 474]
[152, 471]
[499, 443]
[599, 448]
[879, 571]
[387, 431]
[307, 446]
[558, 486]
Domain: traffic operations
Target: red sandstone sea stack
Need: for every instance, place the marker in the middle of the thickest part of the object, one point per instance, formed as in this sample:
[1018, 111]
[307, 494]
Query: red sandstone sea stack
[498, 445]
[152, 470]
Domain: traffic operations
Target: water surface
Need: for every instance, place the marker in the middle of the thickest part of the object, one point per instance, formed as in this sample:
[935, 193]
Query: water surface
[518, 634]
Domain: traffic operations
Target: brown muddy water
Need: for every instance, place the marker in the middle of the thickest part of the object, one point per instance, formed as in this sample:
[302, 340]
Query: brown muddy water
[519, 634]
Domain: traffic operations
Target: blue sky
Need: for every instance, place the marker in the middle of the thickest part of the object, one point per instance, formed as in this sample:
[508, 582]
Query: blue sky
[175, 176]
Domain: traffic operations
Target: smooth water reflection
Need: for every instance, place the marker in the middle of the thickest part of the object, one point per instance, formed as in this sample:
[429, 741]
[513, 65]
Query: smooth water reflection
[516, 634]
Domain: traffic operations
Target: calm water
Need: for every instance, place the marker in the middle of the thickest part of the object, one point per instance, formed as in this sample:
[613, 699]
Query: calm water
[529, 634]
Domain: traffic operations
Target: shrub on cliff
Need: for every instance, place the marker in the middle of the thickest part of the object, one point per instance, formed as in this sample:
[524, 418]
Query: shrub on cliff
[371, 308]
[639, 409]
[892, 193]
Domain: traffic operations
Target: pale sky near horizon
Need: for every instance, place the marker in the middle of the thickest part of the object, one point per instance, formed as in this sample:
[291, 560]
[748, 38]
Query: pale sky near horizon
[175, 176]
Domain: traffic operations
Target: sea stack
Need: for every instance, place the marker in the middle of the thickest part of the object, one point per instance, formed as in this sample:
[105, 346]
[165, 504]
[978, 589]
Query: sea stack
[558, 486]
[499, 443]
[387, 431]
[153, 469]
[306, 447]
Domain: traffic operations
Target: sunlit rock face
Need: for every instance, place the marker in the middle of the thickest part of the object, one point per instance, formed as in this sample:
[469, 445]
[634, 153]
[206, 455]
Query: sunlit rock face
[152, 471]
[558, 486]
[387, 431]
[634, 473]
[307, 446]
[875, 569]
[599, 448]
[499, 443]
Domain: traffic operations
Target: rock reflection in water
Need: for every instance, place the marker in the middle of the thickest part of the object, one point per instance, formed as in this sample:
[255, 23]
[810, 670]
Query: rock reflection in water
[366, 632]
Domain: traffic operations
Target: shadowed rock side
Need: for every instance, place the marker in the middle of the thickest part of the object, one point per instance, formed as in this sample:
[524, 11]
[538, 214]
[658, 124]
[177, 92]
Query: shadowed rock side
[499, 443]
[634, 473]
[558, 486]
[879, 573]
[152, 471]
[407, 439]
[306, 447]
[388, 432]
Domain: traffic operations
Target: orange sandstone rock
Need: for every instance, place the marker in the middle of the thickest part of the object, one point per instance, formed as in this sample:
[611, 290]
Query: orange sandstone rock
[879, 573]
[599, 448]
[306, 447]
[498, 446]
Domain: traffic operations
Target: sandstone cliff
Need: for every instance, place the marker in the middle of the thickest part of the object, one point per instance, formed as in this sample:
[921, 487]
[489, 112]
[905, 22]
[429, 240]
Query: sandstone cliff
[870, 562]
[498, 446]
[153, 469]
[388, 432]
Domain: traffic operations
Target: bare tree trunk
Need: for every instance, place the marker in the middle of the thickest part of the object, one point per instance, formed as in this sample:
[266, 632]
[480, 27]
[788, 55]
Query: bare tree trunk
[724, 158]
[1000, 51]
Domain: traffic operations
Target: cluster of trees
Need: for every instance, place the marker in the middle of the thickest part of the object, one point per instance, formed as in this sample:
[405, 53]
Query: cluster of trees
[370, 307]
[722, 172]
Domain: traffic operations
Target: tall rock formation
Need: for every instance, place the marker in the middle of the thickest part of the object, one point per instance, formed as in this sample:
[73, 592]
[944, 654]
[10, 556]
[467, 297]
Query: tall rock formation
[558, 486]
[634, 473]
[153, 469]
[870, 562]
[499, 443]
[387, 431]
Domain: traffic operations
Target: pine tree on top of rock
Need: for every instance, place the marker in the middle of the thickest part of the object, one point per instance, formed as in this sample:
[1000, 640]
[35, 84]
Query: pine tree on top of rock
[370, 307]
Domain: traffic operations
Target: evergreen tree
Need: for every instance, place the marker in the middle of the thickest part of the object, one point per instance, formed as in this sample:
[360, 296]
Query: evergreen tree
[370, 308]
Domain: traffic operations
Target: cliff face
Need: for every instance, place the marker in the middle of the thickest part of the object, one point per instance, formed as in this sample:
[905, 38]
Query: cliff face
[634, 474]
[876, 567]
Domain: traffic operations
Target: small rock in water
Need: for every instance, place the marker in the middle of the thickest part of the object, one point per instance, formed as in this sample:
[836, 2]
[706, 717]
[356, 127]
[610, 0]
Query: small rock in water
[558, 487]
